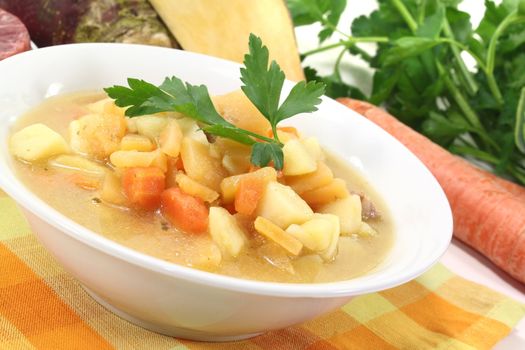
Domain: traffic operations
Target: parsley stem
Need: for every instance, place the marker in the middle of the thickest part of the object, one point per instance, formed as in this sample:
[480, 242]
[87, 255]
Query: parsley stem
[337, 70]
[347, 43]
[403, 11]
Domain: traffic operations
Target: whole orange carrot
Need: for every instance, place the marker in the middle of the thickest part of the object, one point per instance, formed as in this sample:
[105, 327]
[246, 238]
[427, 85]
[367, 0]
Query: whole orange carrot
[489, 212]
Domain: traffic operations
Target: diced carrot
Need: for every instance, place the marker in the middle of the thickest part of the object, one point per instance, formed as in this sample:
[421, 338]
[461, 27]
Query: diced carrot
[184, 211]
[143, 186]
[230, 207]
[248, 194]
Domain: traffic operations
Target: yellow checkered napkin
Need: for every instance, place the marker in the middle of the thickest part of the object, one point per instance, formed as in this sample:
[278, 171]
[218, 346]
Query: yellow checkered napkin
[42, 307]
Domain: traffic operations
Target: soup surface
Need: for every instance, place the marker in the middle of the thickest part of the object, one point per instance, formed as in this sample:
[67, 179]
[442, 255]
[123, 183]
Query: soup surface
[151, 233]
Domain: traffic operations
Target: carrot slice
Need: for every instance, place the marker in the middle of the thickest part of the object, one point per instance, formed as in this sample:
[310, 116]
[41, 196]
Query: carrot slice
[143, 186]
[488, 211]
[248, 194]
[184, 211]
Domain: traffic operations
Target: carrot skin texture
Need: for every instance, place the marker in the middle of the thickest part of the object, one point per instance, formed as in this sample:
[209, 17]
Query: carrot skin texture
[248, 195]
[489, 212]
[184, 211]
[143, 186]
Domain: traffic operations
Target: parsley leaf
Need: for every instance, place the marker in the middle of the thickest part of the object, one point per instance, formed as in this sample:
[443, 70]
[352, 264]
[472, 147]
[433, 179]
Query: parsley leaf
[262, 85]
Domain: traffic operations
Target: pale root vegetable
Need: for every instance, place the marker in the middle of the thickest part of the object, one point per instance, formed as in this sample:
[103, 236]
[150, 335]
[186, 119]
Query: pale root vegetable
[326, 194]
[365, 230]
[273, 232]
[236, 108]
[236, 164]
[130, 159]
[248, 195]
[151, 125]
[78, 164]
[330, 253]
[207, 27]
[171, 139]
[97, 135]
[314, 149]
[281, 205]
[229, 185]
[37, 142]
[106, 105]
[190, 186]
[297, 159]
[348, 210]
[285, 133]
[200, 166]
[226, 232]
[191, 129]
[134, 142]
[315, 234]
[111, 191]
[131, 125]
[319, 178]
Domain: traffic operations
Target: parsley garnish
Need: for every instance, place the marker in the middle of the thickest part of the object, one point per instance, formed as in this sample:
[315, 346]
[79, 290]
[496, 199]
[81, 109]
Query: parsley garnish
[263, 84]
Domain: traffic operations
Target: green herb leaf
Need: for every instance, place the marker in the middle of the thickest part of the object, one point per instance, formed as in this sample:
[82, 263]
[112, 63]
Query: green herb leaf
[408, 47]
[519, 129]
[265, 153]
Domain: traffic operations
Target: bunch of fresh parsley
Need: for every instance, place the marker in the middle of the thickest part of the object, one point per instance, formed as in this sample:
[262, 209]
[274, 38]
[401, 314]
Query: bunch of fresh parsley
[421, 73]
[263, 83]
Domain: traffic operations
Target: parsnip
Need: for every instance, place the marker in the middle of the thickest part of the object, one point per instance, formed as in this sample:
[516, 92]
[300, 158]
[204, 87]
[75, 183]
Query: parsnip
[226, 232]
[37, 142]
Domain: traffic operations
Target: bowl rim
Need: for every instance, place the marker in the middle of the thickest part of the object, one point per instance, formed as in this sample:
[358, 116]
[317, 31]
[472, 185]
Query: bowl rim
[24, 197]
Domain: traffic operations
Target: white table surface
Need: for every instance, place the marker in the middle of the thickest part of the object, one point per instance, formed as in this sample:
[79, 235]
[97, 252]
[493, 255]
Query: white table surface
[459, 258]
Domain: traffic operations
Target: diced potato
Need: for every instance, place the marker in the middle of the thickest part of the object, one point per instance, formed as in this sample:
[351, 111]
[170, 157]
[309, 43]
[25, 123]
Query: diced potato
[316, 234]
[326, 194]
[112, 190]
[130, 159]
[349, 212]
[236, 164]
[37, 142]
[106, 105]
[285, 134]
[270, 230]
[190, 186]
[171, 139]
[77, 163]
[365, 230]
[229, 185]
[314, 149]
[281, 205]
[236, 108]
[191, 130]
[97, 135]
[297, 159]
[133, 142]
[131, 125]
[319, 178]
[226, 232]
[200, 166]
[150, 125]
[329, 253]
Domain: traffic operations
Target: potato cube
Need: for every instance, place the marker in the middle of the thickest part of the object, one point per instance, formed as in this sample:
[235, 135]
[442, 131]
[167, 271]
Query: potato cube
[171, 139]
[191, 129]
[77, 163]
[319, 178]
[112, 190]
[326, 194]
[200, 166]
[226, 232]
[329, 253]
[130, 159]
[190, 186]
[270, 230]
[236, 164]
[316, 234]
[97, 135]
[106, 105]
[349, 212]
[281, 205]
[37, 142]
[314, 149]
[131, 125]
[150, 125]
[133, 142]
[297, 159]
[229, 185]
